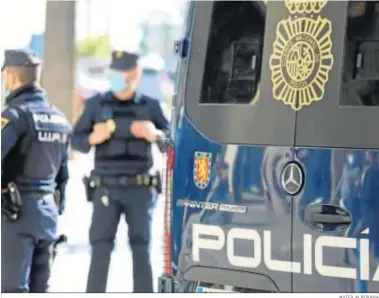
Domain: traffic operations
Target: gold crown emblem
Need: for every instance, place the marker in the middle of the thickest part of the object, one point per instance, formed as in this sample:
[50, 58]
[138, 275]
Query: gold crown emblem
[301, 6]
[119, 54]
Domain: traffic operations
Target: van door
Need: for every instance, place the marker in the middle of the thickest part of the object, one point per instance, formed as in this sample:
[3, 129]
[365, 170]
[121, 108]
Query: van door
[336, 222]
[232, 119]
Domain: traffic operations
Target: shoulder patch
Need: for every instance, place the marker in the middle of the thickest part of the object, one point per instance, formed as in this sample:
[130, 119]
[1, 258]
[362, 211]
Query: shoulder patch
[4, 122]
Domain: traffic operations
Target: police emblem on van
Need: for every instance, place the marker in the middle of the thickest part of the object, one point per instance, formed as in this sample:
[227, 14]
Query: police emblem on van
[301, 6]
[202, 169]
[302, 55]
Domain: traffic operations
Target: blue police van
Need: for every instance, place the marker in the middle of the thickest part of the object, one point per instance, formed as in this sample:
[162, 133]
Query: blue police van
[272, 179]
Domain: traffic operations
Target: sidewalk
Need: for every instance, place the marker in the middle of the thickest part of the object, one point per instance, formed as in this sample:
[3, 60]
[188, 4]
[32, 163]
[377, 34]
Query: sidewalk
[71, 266]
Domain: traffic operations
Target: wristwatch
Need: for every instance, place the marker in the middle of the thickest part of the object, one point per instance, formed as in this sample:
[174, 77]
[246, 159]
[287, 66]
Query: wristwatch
[111, 125]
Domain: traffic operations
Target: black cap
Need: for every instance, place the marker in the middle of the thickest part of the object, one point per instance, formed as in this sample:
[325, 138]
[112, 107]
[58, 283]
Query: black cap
[123, 61]
[24, 57]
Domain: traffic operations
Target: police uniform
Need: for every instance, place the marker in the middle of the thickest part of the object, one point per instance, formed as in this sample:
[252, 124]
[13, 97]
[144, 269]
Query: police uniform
[34, 156]
[121, 176]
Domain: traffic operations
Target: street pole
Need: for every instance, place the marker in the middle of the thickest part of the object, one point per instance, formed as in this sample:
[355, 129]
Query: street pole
[58, 77]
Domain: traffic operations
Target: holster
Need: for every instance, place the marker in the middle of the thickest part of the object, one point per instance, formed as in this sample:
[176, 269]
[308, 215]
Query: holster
[11, 202]
[158, 186]
[90, 187]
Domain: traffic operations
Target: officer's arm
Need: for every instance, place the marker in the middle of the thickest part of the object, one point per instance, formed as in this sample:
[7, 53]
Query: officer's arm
[62, 179]
[13, 126]
[83, 127]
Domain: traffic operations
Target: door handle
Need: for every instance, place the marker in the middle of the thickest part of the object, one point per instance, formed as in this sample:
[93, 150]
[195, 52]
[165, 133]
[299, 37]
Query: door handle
[327, 217]
[330, 218]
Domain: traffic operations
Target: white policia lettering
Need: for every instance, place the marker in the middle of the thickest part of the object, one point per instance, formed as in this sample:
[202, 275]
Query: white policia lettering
[51, 137]
[49, 118]
[219, 237]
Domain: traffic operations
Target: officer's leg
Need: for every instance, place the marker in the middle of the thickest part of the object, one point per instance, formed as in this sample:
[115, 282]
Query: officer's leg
[105, 218]
[16, 257]
[44, 212]
[139, 219]
[41, 267]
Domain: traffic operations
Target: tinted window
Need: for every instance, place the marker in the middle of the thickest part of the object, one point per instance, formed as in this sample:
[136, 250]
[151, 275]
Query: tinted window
[347, 114]
[361, 68]
[234, 53]
[226, 42]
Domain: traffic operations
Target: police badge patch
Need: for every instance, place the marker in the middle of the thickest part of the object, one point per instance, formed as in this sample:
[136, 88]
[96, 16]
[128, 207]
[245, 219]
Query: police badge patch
[302, 56]
[4, 122]
[202, 169]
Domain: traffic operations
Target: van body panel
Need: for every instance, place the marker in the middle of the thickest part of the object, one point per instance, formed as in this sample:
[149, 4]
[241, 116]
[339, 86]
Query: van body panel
[236, 180]
[278, 192]
[330, 251]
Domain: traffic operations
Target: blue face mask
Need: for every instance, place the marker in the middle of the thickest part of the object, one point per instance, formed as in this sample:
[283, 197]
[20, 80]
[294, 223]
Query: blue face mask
[117, 81]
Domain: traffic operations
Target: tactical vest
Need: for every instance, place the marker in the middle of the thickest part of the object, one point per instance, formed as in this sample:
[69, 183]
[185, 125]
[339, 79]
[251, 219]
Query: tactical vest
[37, 157]
[122, 155]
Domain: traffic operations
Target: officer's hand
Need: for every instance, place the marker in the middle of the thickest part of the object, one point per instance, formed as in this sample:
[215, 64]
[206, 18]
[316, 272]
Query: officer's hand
[144, 130]
[100, 133]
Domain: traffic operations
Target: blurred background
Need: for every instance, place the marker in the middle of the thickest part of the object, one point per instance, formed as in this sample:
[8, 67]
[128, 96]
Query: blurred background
[95, 27]
[74, 39]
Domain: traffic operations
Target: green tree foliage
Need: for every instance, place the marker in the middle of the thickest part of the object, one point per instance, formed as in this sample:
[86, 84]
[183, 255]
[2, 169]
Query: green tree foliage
[96, 46]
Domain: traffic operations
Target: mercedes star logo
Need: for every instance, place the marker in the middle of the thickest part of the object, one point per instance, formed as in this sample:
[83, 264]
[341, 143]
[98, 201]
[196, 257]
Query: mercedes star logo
[292, 178]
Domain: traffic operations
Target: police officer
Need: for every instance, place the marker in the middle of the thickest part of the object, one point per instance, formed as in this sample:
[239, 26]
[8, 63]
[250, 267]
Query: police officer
[34, 155]
[121, 124]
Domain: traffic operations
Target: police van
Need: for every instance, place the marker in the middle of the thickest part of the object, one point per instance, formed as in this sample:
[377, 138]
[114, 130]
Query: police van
[272, 180]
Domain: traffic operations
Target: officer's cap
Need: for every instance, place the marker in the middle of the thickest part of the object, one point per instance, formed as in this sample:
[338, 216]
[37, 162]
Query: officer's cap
[124, 61]
[22, 57]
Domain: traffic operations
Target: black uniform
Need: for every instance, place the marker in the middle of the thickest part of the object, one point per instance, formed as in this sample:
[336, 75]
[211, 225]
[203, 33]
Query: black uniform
[121, 176]
[34, 155]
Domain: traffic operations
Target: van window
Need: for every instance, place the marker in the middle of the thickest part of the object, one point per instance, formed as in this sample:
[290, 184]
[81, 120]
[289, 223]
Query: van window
[225, 73]
[347, 116]
[360, 85]
[232, 67]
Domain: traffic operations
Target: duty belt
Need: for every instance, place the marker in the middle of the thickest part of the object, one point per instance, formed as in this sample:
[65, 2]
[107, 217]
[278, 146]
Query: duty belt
[140, 180]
